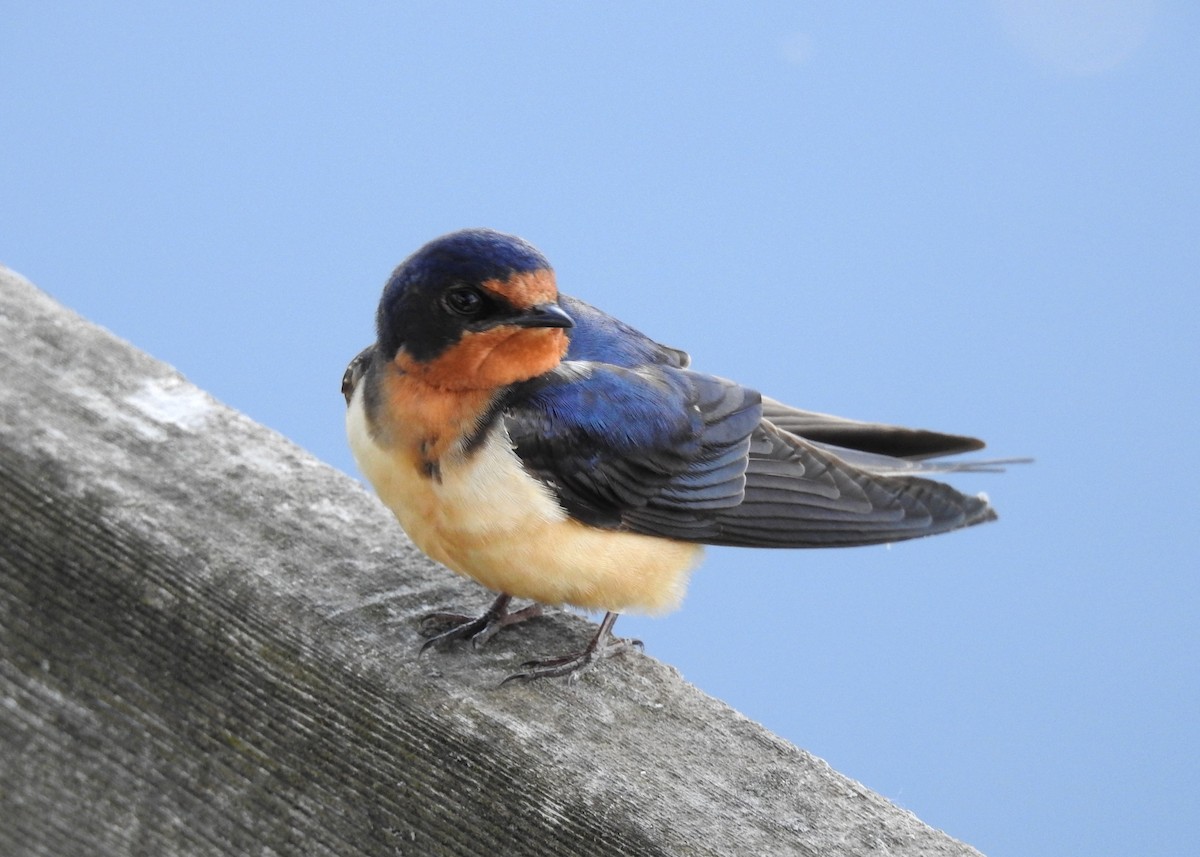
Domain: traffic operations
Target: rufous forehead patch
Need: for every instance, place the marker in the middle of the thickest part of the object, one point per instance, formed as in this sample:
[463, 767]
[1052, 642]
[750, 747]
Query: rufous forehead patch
[526, 289]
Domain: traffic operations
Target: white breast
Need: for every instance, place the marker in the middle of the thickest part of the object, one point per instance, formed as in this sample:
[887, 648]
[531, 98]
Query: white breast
[488, 519]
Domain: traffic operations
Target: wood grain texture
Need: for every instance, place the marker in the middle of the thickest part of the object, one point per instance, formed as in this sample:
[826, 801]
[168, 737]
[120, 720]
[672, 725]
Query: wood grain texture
[208, 646]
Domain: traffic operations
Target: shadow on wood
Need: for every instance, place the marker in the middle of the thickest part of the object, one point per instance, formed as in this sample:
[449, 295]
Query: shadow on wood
[209, 647]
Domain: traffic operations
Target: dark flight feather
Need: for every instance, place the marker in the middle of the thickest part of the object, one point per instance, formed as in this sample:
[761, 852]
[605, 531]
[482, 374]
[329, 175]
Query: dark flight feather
[702, 459]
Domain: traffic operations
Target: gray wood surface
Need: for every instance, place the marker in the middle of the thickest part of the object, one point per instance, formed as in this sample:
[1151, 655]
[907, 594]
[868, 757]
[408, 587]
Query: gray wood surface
[208, 646]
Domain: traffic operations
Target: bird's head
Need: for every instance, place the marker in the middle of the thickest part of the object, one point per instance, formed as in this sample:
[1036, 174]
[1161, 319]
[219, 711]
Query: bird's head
[473, 310]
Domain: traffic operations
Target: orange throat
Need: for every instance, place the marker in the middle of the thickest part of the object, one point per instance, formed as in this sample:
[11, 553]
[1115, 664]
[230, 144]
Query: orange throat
[432, 407]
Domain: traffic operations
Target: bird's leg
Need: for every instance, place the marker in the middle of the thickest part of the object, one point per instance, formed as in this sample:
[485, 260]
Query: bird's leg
[442, 627]
[603, 645]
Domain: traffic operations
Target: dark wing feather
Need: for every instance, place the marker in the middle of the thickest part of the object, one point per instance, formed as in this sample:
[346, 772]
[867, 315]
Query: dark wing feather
[673, 453]
[799, 495]
[609, 440]
[627, 438]
[877, 438]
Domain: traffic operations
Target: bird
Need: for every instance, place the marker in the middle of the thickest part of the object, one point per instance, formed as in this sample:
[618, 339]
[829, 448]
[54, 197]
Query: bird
[553, 453]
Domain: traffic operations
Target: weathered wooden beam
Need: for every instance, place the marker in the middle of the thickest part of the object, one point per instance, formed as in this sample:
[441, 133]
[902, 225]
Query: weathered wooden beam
[208, 646]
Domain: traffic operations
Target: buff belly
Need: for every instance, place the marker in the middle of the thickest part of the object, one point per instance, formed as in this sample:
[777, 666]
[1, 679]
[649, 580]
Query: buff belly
[487, 519]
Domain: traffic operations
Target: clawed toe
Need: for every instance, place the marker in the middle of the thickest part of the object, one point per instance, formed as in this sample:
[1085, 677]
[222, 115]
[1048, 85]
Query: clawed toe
[443, 627]
[603, 645]
[467, 628]
[433, 624]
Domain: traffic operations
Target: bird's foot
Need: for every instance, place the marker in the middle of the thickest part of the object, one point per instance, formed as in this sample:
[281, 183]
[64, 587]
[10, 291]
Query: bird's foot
[442, 627]
[603, 645]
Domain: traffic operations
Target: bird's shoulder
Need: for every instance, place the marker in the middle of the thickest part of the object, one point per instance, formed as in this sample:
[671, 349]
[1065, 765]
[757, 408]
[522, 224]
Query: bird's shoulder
[598, 336]
[609, 438]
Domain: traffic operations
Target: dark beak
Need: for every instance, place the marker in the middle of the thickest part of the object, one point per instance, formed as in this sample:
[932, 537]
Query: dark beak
[543, 315]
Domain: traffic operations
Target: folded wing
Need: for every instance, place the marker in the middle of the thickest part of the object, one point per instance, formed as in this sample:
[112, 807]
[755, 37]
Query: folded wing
[668, 452]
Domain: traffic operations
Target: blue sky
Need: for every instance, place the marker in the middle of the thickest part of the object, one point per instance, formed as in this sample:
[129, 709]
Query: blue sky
[981, 218]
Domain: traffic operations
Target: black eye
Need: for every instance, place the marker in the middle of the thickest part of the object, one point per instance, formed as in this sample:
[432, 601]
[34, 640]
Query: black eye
[464, 301]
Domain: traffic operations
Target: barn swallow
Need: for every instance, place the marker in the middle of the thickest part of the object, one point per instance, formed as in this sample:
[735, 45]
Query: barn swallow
[527, 440]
